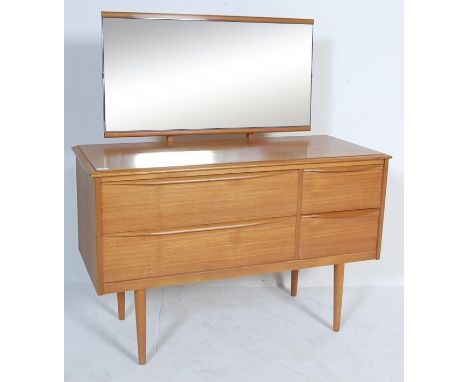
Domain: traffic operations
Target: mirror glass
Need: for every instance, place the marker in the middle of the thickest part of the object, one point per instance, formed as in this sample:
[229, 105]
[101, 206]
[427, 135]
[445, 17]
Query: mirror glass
[164, 75]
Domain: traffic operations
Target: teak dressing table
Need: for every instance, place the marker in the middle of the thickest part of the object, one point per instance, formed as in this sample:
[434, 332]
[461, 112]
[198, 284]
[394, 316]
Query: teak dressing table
[154, 214]
[158, 214]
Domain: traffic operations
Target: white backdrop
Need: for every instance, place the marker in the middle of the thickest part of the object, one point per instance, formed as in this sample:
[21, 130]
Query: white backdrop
[357, 95]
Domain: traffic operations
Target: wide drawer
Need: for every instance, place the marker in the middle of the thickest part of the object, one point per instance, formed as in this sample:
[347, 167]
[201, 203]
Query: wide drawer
[338, 233]
[129, 256]
[342, 188]
[181, 202]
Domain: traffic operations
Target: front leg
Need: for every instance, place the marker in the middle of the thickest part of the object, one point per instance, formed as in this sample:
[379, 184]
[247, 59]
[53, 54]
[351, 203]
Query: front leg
[337, 295]
[140, 310]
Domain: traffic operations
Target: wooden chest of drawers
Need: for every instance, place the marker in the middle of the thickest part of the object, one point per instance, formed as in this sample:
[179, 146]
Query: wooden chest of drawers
[152, 215]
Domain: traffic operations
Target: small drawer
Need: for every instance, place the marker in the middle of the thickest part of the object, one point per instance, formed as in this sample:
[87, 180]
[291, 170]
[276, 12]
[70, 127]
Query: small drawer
[181, 202]
[128, 256]
[341, 188]
[338, 233]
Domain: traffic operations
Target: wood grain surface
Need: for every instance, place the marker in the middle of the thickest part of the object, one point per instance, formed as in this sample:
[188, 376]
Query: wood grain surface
[337, 233]
[139, 255]
[181, 202]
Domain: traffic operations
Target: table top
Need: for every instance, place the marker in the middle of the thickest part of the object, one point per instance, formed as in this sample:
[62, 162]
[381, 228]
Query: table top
[109, 159]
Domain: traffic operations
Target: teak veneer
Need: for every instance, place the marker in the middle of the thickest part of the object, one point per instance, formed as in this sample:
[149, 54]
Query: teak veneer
[153, 215]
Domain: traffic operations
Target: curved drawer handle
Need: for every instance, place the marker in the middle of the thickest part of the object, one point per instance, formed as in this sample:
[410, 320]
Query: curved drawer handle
[343, 214]
[344, 169]
[196, 180]
[187, 230]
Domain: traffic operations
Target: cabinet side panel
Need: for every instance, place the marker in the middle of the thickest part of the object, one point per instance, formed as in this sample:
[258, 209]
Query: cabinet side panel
[382, 208]
[87, 221]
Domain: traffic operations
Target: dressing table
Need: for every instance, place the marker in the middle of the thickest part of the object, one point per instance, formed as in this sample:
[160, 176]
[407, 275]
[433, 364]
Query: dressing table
[152, 215]
[173, 212]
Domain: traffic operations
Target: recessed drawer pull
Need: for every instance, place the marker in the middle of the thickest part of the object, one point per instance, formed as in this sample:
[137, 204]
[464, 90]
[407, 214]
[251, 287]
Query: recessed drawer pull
[187, 230]
[344, 169]
[342, 214]
[196, 180]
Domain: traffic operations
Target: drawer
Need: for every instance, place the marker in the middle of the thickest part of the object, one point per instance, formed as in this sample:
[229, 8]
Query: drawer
[341, 188]
[128, 256]
[181, 202]
[338, 233]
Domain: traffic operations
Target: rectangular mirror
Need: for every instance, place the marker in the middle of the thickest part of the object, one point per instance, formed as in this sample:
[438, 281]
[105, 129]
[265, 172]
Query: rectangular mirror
[186, 74]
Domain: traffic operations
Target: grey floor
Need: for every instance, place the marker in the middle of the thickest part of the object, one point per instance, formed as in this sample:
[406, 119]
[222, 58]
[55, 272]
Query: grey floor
[203, 332]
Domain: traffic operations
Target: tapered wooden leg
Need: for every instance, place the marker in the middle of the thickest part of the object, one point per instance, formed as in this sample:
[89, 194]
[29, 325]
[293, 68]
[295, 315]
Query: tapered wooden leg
[140, 309]
[121, 305]
[337, 295]
[294, 279]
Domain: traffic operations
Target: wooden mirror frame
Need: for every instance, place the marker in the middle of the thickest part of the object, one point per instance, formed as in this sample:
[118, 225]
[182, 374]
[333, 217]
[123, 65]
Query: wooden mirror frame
[190, 17]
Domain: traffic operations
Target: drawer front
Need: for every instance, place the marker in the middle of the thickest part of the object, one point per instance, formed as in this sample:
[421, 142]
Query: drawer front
[341, 188]
[191, 201]
[338, 233]
[127, 257]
